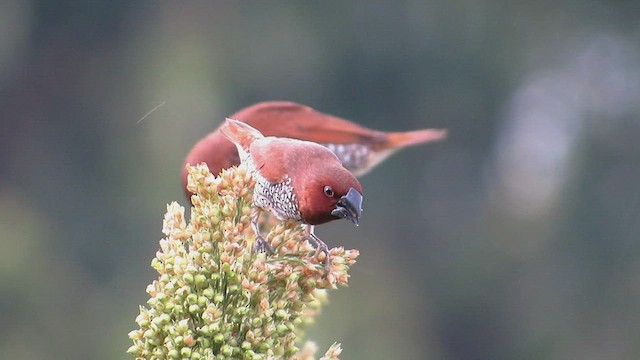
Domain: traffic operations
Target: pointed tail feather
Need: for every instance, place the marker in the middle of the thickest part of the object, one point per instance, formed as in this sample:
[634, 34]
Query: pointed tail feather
[417, 137]
[239, 133]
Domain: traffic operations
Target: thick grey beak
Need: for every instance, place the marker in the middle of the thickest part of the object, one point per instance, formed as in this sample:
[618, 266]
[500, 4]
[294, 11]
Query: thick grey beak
[349, 206]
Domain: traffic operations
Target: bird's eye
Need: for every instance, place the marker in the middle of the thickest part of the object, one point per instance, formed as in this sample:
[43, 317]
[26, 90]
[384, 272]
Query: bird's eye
[328, 191]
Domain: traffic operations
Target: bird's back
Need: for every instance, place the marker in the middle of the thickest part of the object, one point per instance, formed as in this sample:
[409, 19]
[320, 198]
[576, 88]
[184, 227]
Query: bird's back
[284, 155]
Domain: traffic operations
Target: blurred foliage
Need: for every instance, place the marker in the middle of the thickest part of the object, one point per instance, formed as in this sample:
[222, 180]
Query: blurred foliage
[516, 238]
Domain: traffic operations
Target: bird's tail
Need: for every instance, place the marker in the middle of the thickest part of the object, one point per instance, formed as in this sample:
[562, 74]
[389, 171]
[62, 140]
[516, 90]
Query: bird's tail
[416, 137]
[239, 133]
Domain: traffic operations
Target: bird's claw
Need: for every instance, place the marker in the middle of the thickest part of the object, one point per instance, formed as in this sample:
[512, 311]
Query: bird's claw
[327, 260]
[263, 245]
[321, 247]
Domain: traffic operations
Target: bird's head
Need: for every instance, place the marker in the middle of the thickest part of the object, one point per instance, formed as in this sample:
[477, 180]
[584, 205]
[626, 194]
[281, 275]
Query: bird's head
[331, 193]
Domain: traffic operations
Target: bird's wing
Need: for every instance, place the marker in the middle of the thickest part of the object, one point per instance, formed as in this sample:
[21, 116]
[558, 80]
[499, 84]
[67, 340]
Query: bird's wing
[280, 157]
[275, 118]
[269, 158]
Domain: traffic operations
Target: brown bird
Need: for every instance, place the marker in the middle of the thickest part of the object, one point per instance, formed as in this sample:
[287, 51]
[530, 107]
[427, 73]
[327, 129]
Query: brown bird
[295, 180]
[358, 148]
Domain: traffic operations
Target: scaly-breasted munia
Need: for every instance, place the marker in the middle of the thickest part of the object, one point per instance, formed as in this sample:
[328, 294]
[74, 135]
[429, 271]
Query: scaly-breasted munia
[358, 148]
[295, 180]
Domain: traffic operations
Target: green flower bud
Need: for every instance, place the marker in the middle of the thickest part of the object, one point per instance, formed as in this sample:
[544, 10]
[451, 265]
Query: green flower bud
[187, 278]
[242, 311]
[154, 327]
[134, 350]
[290, 325]
[183, 291]
[135, 334]
[195, 309]
[185, 352]
[169, 343]
[311, 284]
[159, 306]
[190, 268]
[183, 326]
[226, 350]
[201, 280]
[153, 341]
[218, 338]
[158, 352]
[156, 321]
[156, 264]
[264, 347]
[204, 342]
[179, 261]
[174, 354]
[205, 331]
[297, 306]
[142, 321]
[192, 298]
[165, 318]
[257, 322]
[232, 274]
[208, 293]
[282, 329]
[281, 314]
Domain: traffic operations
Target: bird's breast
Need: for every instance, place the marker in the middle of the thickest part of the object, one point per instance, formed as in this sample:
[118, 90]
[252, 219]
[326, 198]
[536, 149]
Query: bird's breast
[277, 198]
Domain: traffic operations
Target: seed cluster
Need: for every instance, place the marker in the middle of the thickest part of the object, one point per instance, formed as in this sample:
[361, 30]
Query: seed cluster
[215, 298]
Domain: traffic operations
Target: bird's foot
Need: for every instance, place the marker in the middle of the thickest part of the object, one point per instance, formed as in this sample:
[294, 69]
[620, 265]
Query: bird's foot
[321, 247]
[263, 245]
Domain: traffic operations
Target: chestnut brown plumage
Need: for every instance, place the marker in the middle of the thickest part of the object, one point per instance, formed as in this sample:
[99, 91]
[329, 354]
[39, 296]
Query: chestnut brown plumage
[295, 180]
[358, 148]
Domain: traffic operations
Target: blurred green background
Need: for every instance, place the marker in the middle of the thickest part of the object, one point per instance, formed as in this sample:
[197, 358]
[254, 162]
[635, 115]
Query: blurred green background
[517, 238]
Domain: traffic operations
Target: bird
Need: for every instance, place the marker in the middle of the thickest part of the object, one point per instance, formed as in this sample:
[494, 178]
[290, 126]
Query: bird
[359, 149]
[295, 180]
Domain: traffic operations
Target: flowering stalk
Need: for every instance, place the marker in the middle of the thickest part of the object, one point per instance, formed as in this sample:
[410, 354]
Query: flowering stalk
[215, 298]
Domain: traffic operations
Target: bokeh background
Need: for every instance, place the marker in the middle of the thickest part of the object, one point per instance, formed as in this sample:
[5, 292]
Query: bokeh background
[517, 238]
